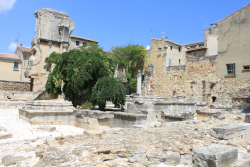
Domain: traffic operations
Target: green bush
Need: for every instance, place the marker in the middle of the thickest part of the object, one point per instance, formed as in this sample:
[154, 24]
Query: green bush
[108, 89]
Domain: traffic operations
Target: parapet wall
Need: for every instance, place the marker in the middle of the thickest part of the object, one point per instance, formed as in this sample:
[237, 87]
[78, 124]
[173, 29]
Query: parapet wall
[14, 86]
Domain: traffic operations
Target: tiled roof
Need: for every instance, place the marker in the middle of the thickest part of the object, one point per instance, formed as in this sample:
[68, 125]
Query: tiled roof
[92, 40]
[232, 13]
[9, 56]
[25, 49]
[195, 43]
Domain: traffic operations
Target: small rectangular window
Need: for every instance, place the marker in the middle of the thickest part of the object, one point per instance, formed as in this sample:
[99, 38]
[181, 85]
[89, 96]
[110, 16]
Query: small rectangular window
[159, 48]
[77, 43]
[15, 65]
[179, 49]
[230, 69]
[170, 62]
[246, 67]
[171, 47]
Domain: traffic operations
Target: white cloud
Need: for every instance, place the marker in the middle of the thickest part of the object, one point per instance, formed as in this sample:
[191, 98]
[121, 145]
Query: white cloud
[12, 47]
[6, 5]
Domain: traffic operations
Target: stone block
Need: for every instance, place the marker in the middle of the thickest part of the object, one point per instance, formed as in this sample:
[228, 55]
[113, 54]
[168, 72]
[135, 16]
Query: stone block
[215, 156]
[97, 114]
[11, 160]
[186, 159]
[123, 119]
[177, 114]
[5, 135]
[46, 128]
[49, 117]
[247, 118]
[173, 158]
[235, 133]
[207, 113]
[244, 160]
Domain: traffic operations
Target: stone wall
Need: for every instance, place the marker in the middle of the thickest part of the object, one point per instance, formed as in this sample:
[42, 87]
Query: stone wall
[199, 79]
[14, 86]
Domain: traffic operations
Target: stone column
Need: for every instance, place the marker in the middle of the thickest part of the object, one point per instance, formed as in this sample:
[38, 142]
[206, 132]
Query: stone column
[138, 85]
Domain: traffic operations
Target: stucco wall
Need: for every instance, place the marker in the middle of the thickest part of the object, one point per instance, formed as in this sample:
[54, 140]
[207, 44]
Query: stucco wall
[73, 43]
[7, 70]
[233, 43]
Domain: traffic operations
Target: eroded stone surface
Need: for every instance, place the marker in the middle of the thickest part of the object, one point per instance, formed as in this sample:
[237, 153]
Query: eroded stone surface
[5, 135]
[215, 156]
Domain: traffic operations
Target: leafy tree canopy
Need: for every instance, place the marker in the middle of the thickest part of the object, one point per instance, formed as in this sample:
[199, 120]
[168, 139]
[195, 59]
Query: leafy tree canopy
[78, 70]
[108, 89]
[129, 57]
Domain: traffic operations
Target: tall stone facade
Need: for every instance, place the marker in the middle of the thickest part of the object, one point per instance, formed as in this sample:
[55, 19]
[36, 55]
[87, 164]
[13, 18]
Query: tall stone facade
[53, 29]
[53, 34]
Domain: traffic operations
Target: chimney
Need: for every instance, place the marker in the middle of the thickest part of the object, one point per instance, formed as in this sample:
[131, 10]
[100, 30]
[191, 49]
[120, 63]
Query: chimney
[211, 29]
[162, 35]
[166, 38]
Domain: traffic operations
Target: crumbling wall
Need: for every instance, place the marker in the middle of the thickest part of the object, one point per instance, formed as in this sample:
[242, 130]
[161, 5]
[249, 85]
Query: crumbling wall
[14, 86]
[198, 79]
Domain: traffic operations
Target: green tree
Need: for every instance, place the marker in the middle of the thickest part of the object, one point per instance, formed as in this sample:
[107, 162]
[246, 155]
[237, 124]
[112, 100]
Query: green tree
[130, 58]
[78, 70]
[108, 89]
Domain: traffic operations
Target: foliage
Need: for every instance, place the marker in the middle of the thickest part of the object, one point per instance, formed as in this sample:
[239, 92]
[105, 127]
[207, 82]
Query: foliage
[129, 57]
[87, 105]
[132, 83]
[108, 89]
[78, 70]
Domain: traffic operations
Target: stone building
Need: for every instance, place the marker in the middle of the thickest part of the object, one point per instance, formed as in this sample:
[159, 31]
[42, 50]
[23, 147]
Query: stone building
[76, 41]
[234, 40]
[24, 54]
[53, 34]
[215, 71]
[164, 54]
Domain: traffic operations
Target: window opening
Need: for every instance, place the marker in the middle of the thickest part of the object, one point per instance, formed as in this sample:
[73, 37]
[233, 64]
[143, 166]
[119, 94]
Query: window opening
[171, 47]
[77, 43]
[246, 67]
[15, 65]
[230, 69]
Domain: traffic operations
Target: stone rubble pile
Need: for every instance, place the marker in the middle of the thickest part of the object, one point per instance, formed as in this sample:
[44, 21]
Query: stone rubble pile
[184, 143]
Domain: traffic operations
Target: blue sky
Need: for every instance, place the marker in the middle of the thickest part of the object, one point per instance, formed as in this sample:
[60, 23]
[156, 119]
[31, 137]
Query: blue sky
[117, 22]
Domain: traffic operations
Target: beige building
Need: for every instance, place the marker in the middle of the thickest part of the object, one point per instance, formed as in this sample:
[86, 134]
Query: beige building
[233, 45]
[76, 41]
[24, 54]
[163, 54]
[10, 67]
